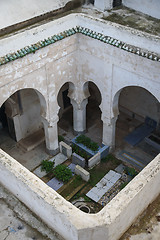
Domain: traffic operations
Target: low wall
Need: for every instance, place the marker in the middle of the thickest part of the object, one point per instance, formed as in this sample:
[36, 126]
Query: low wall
[104, 150]
[71, 223]
[65, 149]
[94, 160]
[82, 172]
[78, 160]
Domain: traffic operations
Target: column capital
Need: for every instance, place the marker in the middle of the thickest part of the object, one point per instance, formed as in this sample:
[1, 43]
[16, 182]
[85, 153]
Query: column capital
[50, 122]
[80, 104]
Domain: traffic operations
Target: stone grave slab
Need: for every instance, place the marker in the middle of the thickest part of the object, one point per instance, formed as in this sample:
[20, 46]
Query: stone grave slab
[72, 167]
[59, 158]
[55, 184]
[120, 168]
[39, 173]
[103, 185]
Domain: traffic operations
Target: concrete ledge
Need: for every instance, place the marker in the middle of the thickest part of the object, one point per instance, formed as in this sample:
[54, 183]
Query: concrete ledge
[82, 172]
[71, 223]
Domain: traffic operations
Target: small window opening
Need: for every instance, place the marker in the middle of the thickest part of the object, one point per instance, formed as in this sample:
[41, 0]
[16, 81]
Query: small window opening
[117, 3]
[90, 1]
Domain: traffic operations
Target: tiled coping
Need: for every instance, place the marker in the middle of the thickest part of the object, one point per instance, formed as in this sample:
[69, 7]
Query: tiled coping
[85, 31]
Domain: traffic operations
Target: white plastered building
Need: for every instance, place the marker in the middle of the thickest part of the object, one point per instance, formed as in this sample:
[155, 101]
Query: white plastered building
[78, 53]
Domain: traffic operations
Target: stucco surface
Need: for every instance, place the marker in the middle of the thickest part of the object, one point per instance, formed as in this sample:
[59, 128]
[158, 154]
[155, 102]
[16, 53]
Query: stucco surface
[12, 12]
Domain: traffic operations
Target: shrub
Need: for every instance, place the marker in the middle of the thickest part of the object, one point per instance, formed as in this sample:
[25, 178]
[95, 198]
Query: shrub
[80, 152]
[86, 141]
[131, 171]
[47, 166]
[62, 173]
[60, 138]
[123, 185]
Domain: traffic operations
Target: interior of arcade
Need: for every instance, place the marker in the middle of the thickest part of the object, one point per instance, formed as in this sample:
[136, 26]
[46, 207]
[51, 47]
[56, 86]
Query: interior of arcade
[22, 129]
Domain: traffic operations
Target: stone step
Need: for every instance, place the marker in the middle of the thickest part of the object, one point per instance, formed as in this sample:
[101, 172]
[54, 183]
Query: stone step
[32, 141]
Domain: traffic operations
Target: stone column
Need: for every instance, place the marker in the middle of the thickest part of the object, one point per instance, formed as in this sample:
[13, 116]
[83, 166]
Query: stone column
[109, 130]
[79, 116]
[51, 137]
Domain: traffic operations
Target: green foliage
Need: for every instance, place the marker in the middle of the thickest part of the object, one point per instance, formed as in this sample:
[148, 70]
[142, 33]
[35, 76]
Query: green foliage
[87, 199]
[62, 173]
[80, 152]
[105, 159]
[76, 196]
[60, 138]
[86, 141]
[111, 158]
[123, 185]
[47, 166]
[131, 171]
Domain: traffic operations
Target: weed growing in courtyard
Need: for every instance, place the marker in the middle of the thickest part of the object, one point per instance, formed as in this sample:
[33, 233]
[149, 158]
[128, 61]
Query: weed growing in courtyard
[123, 185]
[80, 152]
[131, 171]
[60, 138]
[62, 173]
[86, 141]
[47, 166]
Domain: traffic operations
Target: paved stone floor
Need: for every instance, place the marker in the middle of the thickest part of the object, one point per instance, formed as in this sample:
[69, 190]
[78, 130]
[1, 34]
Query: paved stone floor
[29, 159]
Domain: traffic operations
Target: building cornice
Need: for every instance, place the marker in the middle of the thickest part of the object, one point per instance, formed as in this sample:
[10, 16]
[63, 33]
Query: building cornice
[85, 31]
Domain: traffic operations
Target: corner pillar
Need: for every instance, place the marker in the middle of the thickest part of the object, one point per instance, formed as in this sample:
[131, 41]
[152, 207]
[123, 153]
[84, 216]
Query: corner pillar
[109, 131]
[51, 137]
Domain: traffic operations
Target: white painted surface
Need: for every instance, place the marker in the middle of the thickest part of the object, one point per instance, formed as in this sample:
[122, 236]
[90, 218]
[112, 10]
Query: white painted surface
[67, 151]
[61, 216]
[139, 101]
[103, 185]
[150, 7]
[103, 4]
[94, 160]
[82, 172]
[12, 12]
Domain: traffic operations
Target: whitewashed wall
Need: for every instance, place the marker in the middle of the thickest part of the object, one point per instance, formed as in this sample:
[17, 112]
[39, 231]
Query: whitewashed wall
[150, 7]
[79, 59]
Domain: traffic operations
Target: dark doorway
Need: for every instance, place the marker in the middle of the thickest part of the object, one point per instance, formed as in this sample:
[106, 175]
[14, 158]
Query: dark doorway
[66, 99]
[91, 1]
[3, 118]
[117, 3]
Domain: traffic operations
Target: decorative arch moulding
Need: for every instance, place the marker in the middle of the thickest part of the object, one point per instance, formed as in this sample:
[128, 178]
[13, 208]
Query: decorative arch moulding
[85, 31]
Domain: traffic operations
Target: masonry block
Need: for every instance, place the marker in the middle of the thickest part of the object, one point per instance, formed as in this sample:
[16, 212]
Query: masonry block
[65, 149]
[78, 160]
[82, 172]
[94, 160]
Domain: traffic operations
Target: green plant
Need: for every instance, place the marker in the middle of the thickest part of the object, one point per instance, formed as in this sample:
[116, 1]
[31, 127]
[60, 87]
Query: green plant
[131, 171]
[60, 138]
[105, 159]
[76, 196]
[87, 199]
[86, 141]
[80, 152]
[47, 166]
[123, 185]
[62, 173]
